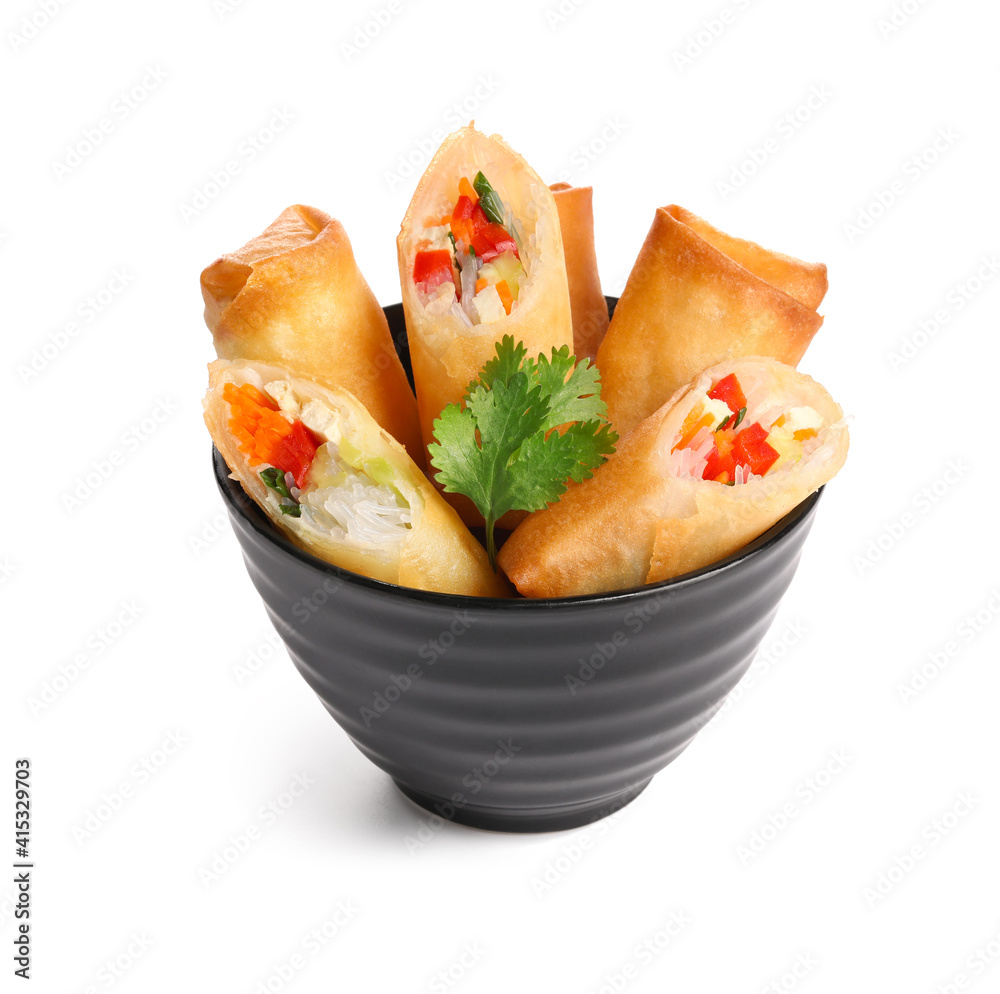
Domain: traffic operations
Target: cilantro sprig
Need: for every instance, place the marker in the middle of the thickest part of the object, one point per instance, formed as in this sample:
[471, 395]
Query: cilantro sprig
[500, 449]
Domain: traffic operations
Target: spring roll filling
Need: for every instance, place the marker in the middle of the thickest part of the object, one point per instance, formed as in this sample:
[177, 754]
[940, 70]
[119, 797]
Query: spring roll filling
[312, 471]
[468, 260]
[734, 434]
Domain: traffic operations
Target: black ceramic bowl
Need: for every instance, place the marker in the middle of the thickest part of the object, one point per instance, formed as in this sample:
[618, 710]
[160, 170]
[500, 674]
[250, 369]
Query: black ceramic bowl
[518, 715]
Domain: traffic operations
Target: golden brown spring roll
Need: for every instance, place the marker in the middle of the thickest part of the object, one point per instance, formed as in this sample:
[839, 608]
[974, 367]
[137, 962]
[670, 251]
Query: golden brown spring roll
[477, 262]
[294, 295]
[337, 484]
[697, 297]
[721, 462]
[589, 308]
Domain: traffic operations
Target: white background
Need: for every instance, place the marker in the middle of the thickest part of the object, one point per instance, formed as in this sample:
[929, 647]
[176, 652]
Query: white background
[781, 844]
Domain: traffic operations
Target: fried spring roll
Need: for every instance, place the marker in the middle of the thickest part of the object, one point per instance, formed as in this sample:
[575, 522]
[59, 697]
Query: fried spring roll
[336, 484]
[589, 308]
[480, 257]
[294, 295]
[697, 297]
[721, 462]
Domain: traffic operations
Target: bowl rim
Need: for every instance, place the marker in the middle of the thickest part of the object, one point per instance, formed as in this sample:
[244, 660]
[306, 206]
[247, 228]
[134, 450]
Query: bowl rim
[239, 502]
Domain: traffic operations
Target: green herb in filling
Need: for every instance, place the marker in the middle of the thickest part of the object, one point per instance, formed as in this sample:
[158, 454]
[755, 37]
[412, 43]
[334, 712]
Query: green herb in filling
[274, 480]
[740, 415]
[489, 199]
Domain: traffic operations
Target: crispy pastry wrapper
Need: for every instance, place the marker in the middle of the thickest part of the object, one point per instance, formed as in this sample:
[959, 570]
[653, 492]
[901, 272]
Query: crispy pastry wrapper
[438, 553]
[697, 297]
[294, 295]
[633, 522]
[446, 354]
[587, 303]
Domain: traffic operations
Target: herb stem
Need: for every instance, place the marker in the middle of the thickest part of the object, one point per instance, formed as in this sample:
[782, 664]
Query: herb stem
[491, 543]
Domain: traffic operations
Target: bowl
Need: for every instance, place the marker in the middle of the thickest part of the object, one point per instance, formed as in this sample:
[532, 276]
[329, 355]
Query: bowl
[518, 715]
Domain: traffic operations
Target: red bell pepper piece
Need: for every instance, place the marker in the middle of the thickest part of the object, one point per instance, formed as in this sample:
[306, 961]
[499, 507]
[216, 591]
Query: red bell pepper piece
[479, 218]
[729, 391]
[433, 268]
[295, 452]
[493, 240]
[752, 451]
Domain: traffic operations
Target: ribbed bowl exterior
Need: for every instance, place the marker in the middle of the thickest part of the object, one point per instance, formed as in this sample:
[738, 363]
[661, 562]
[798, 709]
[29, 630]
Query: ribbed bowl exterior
[519, 715]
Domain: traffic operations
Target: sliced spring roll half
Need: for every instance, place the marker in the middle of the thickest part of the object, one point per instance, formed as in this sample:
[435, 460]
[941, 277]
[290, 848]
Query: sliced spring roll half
[697, 297]
[480, 257]
[722, 461]
[336, 484]
[294, 295]
[589, 308]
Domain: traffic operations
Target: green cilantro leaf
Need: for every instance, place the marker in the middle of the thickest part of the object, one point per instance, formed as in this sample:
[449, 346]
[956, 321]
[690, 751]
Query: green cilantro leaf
[502, 367]
[574, 393]
[500, 449]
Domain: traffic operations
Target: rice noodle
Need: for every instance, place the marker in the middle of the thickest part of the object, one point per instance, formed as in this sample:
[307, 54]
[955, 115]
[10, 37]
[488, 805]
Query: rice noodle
[690, 461]
[743, 475]
[470, 272]
[360, 513]
[512, 224]
[358, 510]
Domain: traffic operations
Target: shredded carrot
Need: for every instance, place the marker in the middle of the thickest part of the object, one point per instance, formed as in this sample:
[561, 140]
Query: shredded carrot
[466, 189]
[481, 284]
[804, 433]
[248, 392]
[692, 425]
[244, 437]
[254, 421]
[506, 298]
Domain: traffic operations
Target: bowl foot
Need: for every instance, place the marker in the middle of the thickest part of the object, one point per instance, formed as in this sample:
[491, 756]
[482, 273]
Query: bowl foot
[557, 818]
